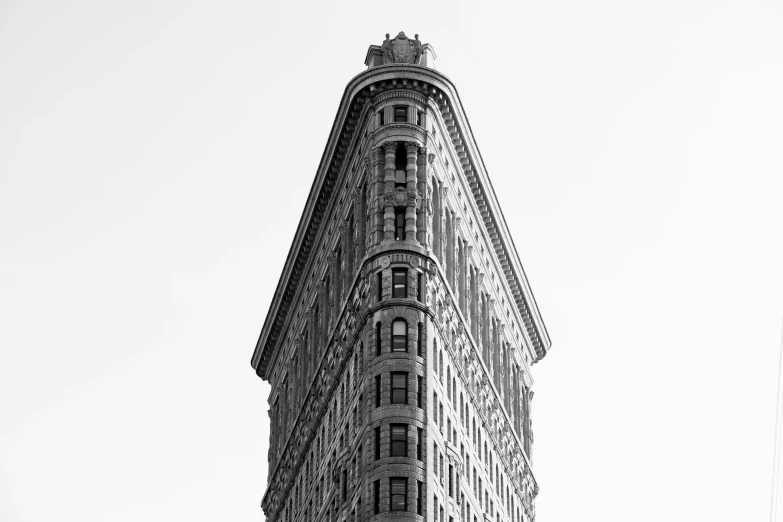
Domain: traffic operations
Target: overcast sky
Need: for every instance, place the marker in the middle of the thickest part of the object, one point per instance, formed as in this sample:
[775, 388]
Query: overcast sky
[155, 157]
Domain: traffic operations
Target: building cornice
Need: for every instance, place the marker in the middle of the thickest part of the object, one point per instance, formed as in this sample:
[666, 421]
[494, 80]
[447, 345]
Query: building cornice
[362, 87]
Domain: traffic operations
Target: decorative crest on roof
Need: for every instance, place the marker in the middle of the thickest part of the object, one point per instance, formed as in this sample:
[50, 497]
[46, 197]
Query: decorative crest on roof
[402, 49]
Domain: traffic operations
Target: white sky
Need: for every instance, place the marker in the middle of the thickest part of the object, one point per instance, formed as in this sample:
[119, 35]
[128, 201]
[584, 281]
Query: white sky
[155, 157]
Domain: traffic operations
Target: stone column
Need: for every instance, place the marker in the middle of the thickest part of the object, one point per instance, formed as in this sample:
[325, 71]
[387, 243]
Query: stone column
[359, 222]
[425, 206]
[411, 150]
[389, 149]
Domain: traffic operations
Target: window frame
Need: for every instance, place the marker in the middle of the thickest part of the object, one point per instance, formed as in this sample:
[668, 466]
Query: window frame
[403, 273]
[401, 110]
[393, 388]
[400, 481]
[398, 446]
[399, 342]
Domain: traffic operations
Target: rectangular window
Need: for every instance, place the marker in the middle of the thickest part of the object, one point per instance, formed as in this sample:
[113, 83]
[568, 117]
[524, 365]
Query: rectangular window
[419, 288]
[377, 496]
[435, 406]
[377, 391]
[451, 481]
[378, 339]
[420, 391]
[377, 443]
[400, 114]
[418, 118]
[399, 440]
[399, 283]
[419, 444]
[399, 224]
[399, 388]
[420, 498]
[420, 341]
[399, 336]
[399, 494]
[380, 118]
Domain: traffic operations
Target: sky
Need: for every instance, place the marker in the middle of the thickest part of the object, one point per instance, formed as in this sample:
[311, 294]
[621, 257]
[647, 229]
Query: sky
[155, 158]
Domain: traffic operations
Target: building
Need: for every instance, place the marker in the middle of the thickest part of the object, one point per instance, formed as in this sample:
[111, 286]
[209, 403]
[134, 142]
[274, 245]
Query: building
[399, 341]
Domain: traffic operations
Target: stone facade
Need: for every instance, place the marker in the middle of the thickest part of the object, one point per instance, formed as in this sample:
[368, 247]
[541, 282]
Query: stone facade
[400, 338]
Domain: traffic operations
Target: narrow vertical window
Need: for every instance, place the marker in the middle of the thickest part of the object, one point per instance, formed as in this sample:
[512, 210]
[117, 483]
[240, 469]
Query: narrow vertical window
[399, 494]
[419, 288]
[377, 391]
[418, 118]
[420, 498]
[378, 339]
[378, 443]
[420, 340]
[399, 336]
[420, 391]
[451, 481]
[377, 496]
[399, 223]
[399, 388]
[419, 444]
[399, 283]
[379, 280]
[399, 440]
[380, 118]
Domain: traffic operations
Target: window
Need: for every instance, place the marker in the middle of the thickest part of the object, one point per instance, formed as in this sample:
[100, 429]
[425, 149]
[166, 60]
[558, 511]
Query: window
[379, 281]
[419, 288]
[380, 118]
[377, 339]
[399, 388]
[399, 283]
[399, 336]
[418, 118]
[420, 391]
[399, 494]
[400, 114]
[420, 340]
[419, 444]
[399, 223]
[399, 440]
[420, 499]
[377, 443]
[377, 390]
[377, 496]
[451, 481]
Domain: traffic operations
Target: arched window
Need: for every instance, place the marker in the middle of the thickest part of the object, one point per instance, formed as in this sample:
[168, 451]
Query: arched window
[399, 336]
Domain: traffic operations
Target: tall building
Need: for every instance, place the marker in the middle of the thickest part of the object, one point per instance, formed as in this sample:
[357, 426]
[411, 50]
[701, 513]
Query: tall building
[399, 341]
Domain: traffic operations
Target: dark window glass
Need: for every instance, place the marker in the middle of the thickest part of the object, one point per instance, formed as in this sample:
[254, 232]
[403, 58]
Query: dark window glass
[380, 117]
[380, 286]
[399, 440]
[399, 283]
[377, 496]
[399, 336]
[420, 500]
[399, 224]
[399, 494]
[400, 114]
[399, 388]
[419, 444]
[377, 339]
[418, 118]
[377, 443]
[420, 391]
[420, 341]
[377, 390]
[419, 288]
